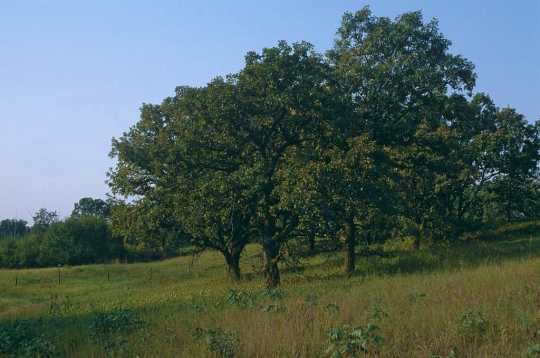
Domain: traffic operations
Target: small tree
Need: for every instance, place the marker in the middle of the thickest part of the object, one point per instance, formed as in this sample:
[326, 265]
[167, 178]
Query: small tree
[78, 241]
[43, 219]
[516, 156]
[348, 183]
[91, 207]
[13, 228]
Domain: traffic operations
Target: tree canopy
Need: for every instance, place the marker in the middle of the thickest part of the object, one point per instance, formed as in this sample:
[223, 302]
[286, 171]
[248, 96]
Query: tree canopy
[381, 137]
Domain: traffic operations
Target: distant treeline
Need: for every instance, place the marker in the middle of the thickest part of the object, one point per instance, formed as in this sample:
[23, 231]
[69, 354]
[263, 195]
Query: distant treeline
[84, 237]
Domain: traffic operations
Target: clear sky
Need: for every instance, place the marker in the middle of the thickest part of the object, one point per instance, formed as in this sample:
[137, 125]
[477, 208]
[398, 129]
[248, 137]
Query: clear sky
[74, 73]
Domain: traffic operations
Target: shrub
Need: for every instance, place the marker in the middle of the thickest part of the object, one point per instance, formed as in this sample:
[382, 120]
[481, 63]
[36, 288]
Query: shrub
[520, 229]
[533, 351]
[377, 312]
[8, 248]
[472, 323]
[22, 338]
[109, 329]
[27, 251]
[452, 354]
[274, 294]
[222, 342]
[241, 299]
[80, 240]
[347, 341]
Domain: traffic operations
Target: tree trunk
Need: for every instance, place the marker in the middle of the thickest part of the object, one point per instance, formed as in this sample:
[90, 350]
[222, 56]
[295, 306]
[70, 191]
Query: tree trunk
[349, 237]
[508, 209]
[418, 236]
[311, 244]
[271, 270]
[416, 243]
[233, 265]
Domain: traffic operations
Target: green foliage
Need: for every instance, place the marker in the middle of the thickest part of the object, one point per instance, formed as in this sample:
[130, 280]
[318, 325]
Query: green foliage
[398, 71]
[223, 343]
[347, 341]
[92, 207]
[177, 300]
[533, 350]
[472, 324]
[243, 299]
[229, 144]
[274, 294]
[153, 238]
[381, 138]
[311, 299]
[110, 329]
[21, 338]
[26, 252]
[377, 312]
[507, 231]
[44, 218]
[13, 228]
[75, 241]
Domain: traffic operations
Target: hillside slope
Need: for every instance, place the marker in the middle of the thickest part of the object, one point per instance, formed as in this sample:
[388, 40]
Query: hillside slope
[479, 299]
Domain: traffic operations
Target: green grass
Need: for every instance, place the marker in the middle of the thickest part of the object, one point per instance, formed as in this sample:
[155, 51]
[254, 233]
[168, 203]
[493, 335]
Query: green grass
[477, 298]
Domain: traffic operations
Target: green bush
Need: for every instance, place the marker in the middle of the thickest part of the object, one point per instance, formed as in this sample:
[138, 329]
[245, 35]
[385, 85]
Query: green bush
[472, 324]
[520, 229]
[242, 299]
[533, 351]
[219, 341]
[109, 329]
[347, 341]
[22, 338]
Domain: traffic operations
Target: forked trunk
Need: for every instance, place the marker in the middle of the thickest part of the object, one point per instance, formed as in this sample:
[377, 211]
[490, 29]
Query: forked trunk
[311, 243]
[416, 243]
[271, 270]
[418, 237]
[233, 265]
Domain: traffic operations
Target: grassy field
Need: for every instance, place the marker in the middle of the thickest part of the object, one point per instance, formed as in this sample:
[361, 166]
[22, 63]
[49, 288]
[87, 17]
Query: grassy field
[476, 299]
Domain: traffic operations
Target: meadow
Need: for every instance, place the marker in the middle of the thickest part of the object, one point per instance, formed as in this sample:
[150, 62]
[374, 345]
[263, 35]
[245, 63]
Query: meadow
[476, 298]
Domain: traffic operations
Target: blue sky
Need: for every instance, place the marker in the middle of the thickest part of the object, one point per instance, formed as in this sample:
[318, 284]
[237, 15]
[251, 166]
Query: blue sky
[74, 73]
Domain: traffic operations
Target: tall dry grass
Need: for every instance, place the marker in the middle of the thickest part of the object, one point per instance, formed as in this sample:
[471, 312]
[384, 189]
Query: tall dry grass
[425, 304]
